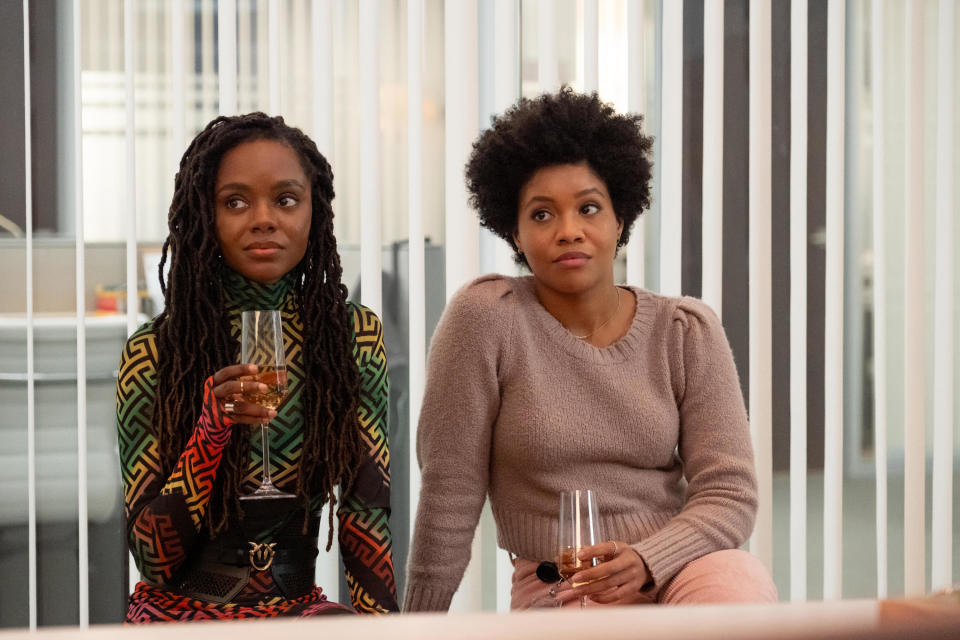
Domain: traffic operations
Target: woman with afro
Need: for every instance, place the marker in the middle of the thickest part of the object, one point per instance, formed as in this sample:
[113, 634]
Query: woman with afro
[251, 227]
[564, 380]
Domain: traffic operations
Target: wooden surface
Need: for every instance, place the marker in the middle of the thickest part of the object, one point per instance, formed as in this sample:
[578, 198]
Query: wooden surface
[784, 621]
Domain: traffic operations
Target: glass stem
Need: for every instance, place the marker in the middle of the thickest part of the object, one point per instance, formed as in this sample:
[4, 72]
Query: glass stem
[265, 440]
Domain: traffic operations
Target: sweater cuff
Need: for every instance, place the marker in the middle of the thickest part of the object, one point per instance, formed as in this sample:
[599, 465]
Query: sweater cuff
[665, 553]
[423, 598]
[214, 425]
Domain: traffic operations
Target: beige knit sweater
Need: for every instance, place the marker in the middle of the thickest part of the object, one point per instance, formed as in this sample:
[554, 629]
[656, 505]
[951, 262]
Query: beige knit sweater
[518, 408]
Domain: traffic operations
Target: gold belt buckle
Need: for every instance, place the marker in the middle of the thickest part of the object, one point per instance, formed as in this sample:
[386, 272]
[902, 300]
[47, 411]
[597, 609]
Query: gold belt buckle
[261, 555]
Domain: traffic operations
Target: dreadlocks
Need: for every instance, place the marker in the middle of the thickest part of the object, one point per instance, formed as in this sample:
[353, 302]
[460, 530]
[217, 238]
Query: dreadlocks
[193, 331]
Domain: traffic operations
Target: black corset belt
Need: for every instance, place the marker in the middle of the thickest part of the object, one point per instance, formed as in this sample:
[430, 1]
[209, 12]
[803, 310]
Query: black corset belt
[220, 568]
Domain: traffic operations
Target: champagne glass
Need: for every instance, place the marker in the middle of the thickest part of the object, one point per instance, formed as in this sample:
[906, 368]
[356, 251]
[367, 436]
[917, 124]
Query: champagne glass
[579, 527]
[261, 343]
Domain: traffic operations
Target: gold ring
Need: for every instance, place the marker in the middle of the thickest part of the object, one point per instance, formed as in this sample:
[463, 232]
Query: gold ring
[614, 548]
[241, 387]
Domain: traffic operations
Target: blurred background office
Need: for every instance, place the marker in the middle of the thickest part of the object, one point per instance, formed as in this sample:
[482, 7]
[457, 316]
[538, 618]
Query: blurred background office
[804, 186]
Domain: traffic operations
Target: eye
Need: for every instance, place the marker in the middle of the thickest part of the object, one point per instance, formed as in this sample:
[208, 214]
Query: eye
[540, 215]
[234, 202]
[288, 201]
[590, 208]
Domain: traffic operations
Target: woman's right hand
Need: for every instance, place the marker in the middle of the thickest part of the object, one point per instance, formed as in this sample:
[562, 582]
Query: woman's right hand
[228, 388]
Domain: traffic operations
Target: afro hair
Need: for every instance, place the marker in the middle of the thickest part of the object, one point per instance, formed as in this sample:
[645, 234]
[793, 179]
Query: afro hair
[553, 129]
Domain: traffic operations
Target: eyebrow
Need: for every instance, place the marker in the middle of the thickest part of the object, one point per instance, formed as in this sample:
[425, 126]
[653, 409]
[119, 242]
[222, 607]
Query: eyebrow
[578, 194]
[239, 186]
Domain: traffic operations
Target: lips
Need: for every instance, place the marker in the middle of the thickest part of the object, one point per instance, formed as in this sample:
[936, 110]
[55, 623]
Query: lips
[571, 259]
[262, 249]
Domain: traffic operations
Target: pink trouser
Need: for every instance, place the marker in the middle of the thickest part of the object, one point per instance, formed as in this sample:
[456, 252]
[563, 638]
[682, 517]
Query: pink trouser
[722, 576]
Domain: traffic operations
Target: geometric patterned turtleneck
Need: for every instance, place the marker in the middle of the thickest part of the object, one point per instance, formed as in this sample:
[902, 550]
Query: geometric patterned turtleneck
[244, 294]
[164, 514]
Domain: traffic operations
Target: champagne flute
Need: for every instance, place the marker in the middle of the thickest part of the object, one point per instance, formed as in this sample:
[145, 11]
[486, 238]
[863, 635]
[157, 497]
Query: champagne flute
[579, 527]
[261, 343]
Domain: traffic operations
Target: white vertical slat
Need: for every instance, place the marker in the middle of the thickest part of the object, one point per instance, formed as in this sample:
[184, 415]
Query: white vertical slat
[275, 22]
[207, 45]
[833, 333]
[112, 31]
[944, 312]
[636, 103]
[321, 21]
[879, 295]
[506, 88]
[178, 142]
[31, 378]
[82, 536]
[461, 93]
[130, 199]
[548, 70]
[247, 55]
[914, 321]
[713, 155]
[591, 58]
[506, 81]
[227, 55]
[178, 89]
[798, 300]
[154, 62]
[296, 22]
[462, 125]
[671, 175]
[258, 38]
[760, 267]
[370, 258]
[417, 274]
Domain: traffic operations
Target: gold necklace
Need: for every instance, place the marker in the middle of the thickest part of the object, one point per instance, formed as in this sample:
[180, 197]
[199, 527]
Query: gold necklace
[604, 323]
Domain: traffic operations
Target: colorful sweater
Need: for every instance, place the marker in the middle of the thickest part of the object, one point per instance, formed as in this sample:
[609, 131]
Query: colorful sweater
[165, 512]
[517, 408]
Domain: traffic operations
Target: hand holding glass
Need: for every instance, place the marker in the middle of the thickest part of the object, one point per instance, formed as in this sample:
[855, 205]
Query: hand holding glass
[261, 344]
[579, 528]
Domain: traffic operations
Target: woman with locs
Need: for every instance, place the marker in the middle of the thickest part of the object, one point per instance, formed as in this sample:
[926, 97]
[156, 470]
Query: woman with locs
[251, 227]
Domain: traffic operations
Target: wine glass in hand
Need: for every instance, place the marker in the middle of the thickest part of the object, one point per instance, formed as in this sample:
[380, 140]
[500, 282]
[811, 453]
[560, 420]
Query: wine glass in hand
[261, 344]
[579, 528]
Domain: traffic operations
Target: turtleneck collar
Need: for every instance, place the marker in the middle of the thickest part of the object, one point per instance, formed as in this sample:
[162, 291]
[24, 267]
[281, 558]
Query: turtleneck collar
[245, 294]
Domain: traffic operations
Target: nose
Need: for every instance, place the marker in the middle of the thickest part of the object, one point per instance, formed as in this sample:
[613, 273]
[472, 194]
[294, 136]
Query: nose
[263, 217]
[569, 228]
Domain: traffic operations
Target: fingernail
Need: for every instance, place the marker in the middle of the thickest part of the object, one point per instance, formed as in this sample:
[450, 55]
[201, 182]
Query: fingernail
[262, 388]
[272, 413]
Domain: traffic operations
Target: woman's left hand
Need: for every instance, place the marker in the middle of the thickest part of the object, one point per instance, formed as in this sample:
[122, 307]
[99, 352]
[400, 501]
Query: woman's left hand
[619, 579]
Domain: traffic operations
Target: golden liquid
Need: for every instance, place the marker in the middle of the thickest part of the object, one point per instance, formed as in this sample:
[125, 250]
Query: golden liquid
[276, 393]
[568, 564]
